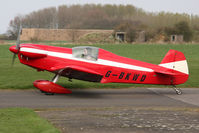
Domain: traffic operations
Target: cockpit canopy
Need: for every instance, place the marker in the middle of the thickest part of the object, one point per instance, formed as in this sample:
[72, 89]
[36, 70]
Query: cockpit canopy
[86, 52]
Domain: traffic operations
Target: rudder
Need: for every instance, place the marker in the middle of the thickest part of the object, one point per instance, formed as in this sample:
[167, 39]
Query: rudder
[175, 60]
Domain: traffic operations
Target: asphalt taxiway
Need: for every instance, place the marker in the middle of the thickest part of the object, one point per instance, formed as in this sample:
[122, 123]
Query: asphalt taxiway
[136, 97]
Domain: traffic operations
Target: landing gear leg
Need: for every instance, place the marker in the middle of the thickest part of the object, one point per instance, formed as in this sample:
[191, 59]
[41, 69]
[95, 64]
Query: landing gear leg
[177, 90]
[55, 78]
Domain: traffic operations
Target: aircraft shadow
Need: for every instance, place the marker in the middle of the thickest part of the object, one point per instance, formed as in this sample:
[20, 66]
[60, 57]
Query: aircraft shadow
[95, 94]
[84, 94]
[106, 93]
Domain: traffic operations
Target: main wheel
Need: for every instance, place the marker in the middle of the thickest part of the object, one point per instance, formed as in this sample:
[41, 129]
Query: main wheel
[179, 92]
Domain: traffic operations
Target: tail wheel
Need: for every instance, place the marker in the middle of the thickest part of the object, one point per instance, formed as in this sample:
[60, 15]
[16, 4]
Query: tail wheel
[177, 90]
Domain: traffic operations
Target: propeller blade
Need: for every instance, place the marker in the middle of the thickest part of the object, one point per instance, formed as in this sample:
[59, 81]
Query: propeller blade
[13, 59]
[17, 44]
[18, 37]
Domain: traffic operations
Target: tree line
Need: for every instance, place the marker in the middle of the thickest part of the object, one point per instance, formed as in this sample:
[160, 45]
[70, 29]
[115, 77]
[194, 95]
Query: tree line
[119, 17]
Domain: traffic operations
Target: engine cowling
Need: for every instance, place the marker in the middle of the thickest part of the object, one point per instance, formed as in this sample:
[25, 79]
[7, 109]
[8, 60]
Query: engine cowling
[33, 55]
[50, 87]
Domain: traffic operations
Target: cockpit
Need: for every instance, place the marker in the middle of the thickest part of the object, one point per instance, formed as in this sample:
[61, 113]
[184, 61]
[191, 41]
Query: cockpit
[85, 52]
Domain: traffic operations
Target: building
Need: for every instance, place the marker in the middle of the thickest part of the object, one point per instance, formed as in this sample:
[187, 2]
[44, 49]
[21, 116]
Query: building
[176, 38]
[70, 35]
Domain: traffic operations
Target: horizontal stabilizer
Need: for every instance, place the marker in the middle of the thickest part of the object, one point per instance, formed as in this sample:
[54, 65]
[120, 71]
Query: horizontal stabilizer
[165, 72]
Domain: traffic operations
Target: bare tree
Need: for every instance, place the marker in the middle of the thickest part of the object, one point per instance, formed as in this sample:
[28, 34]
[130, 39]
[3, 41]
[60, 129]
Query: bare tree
[14, 27]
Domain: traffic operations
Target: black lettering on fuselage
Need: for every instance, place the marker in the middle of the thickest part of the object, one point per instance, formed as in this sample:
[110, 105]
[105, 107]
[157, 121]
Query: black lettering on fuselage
[143, 78]
[108, 74]
[135, 77]
[127, 76]
[121, 75]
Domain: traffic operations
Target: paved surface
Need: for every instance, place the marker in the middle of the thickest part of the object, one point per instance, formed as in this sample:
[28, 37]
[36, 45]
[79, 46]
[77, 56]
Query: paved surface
[113, 110]
[138, 97]
[190, 95]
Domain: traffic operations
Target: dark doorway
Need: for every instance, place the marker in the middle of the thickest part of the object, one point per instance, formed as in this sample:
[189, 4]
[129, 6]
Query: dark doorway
[121, 36]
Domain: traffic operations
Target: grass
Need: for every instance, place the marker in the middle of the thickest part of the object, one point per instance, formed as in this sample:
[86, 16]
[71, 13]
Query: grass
[23, 120]
[21, 76]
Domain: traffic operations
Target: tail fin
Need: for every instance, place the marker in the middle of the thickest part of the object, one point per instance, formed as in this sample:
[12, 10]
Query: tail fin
[175, 60]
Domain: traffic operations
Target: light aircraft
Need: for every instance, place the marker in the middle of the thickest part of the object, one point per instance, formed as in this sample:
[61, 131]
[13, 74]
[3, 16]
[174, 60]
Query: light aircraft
[98, 65]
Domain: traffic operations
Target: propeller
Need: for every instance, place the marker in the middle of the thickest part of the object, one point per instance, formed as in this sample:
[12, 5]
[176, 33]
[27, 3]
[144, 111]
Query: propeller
[17, 44]
[13, 59]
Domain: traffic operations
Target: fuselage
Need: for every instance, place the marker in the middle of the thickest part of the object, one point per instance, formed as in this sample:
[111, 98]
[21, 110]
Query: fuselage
[113, 68]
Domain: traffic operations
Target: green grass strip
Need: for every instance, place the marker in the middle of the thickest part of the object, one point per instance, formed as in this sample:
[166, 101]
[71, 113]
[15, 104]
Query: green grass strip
[23, 120]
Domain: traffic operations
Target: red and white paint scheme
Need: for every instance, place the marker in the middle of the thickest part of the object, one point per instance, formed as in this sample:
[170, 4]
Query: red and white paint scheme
[98, 65]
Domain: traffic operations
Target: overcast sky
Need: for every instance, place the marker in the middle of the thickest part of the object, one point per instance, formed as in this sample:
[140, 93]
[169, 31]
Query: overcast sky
[10, 8]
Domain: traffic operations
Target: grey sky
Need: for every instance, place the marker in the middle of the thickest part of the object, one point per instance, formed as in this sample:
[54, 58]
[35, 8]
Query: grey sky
[10, 8]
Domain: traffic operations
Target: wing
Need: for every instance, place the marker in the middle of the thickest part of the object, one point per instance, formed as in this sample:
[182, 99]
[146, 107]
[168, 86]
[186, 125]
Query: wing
[80, 73]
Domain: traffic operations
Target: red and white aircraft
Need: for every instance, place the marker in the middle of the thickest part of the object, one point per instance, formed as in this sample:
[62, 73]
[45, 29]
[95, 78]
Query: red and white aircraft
[98, 65]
